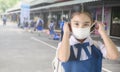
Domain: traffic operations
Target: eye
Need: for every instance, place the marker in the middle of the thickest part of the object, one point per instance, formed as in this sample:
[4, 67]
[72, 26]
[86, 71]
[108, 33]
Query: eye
[76, 23]
[86, 24]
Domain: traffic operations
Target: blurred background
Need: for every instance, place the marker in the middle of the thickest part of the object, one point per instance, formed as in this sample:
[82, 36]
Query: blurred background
[26, 47]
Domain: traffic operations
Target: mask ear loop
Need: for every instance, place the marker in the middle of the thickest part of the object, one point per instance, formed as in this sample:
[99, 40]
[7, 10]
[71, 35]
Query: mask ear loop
[92, 26]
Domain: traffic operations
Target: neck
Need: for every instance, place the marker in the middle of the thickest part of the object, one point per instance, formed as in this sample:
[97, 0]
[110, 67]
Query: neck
[81, 40]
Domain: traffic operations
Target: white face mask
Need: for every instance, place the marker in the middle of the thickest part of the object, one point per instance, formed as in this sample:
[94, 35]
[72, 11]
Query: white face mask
[81, 33]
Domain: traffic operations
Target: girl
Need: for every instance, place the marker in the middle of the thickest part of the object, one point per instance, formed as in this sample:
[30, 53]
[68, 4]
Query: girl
[77, 52]
[51, 29]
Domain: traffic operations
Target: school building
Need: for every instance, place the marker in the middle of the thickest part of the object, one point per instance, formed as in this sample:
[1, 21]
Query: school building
[107, 11]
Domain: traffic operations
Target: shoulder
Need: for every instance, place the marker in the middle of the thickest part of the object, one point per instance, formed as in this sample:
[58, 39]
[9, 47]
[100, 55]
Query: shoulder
[95, 43]
[99, 45]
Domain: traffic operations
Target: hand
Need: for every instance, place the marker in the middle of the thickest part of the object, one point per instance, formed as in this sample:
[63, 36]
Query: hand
[100, 27]
[66, 28]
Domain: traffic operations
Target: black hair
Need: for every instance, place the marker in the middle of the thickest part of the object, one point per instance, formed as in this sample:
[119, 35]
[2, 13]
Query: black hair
[51, 21]
[78, 9]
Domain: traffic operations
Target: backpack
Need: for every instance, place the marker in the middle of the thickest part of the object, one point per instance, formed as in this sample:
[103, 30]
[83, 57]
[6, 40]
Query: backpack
[56, 37]
[57, 65]
[40, 23]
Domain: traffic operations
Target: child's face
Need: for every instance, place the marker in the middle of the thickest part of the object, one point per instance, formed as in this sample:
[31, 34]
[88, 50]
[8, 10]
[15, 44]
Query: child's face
[81, 21]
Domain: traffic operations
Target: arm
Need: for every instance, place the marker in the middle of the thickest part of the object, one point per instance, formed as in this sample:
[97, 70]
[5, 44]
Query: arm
[64, 49]
[112, 52]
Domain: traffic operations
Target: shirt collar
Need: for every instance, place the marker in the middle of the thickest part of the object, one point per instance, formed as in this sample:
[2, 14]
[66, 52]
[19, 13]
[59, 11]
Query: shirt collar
[73, 40]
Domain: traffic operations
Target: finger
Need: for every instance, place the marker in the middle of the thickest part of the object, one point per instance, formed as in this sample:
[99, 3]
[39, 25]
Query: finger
[101, 25]
[66, 22]
[97, 26]
[96, 29]
[66, 25]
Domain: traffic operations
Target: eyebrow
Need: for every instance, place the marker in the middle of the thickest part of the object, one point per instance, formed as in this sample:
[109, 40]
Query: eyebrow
[87, 22]
[75, 21]
[84, 22]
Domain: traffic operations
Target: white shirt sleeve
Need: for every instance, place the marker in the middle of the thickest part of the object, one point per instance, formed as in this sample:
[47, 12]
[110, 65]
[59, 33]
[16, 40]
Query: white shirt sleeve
[37, 22]
[102, 48]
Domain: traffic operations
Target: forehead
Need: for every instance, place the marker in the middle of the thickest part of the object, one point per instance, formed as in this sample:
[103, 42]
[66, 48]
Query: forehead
[81, 17]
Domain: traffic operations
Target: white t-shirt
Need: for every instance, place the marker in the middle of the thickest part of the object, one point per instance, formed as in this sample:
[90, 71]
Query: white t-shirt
[98, 44]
